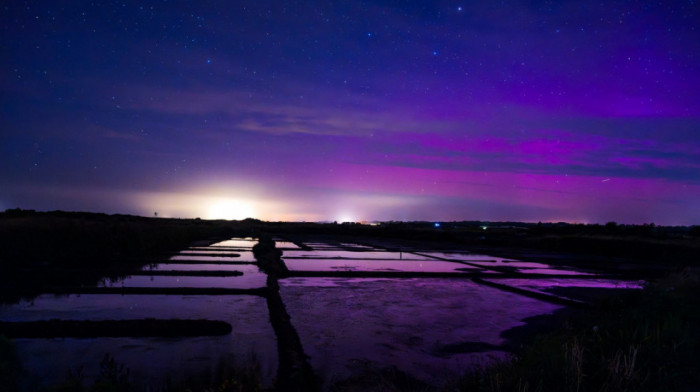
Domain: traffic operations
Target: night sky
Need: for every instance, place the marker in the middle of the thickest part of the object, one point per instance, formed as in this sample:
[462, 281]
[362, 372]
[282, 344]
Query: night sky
[353, 110]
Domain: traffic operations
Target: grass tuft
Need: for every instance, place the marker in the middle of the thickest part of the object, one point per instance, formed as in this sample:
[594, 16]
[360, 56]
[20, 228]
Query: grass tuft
[642, 341]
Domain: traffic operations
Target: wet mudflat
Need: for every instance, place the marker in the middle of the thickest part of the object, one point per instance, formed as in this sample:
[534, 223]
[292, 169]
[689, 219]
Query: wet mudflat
[408, 323]
[425, 326]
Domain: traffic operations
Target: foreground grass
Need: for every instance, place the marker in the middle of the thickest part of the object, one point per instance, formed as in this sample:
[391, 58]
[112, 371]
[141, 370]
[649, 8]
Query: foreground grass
[644, 341]
[228, 376]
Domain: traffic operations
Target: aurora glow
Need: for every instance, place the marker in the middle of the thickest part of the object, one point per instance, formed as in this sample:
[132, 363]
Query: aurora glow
[367, 110]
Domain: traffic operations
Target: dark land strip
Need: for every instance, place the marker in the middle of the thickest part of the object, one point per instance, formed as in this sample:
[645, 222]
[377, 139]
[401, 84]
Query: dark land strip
[113, 328]
[187, 273]
[124, 273]
[534, 294]
[220, 262]
[294, 372]
[219, 248]
[204, 254]
[262, 291]
[420, 274]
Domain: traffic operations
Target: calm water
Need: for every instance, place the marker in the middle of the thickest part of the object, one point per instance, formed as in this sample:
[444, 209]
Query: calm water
[371, 265]
[342, 323]
[151, 360]
[404, 322]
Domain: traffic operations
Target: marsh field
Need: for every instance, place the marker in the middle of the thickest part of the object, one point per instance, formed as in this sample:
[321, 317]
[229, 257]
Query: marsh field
[122, 303]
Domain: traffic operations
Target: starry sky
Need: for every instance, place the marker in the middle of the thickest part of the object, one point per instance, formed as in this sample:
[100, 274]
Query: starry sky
[570, 111]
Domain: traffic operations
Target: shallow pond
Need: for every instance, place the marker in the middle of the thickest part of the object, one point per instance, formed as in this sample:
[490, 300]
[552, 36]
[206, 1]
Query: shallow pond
[210, 252]
[345, 254]
[150, 360]
[408, 323]
[246, 281]
[427, 327]
[464, 256]
[374, 265]
[242, 257]
[286, 245]
[236, 243]
[245, 268]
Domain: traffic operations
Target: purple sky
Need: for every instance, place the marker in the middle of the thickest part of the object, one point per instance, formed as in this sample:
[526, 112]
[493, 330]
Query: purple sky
[364, 110]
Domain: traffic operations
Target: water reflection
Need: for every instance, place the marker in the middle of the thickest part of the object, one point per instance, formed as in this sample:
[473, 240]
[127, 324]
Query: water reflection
[246, 281]
[210, 252]
[344, 254]
[425, 326]
[245, 268]
[286, 245]
[373, 265]
[465, 257]
[244, 257]
[237, 243]
[400, 322]
[152, 360]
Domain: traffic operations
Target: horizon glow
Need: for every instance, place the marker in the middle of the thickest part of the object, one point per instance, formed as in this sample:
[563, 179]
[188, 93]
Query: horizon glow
[368, 111]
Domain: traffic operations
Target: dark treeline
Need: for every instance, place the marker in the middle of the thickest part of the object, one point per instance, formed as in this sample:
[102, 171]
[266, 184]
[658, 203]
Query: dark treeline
[82, 239]
[75, 238]
[670, 246]
[44, 249]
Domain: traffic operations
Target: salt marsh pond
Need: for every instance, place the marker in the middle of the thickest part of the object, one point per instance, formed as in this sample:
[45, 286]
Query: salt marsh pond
[442, 319]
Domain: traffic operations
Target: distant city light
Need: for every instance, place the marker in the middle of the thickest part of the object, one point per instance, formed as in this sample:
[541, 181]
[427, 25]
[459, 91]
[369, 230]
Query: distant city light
[230, 209]
[346, 219]
[436, 224]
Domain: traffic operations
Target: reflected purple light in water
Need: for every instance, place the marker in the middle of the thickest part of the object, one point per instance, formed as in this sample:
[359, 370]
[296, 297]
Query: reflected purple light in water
[211, 252]
[242, 243]
[588, 283]
[151, 360]
[245, 268]
[466, 257]
[372, 265]
[413, 324]
[248, 280]
[329, 254]
[400, 322]
[244, 257]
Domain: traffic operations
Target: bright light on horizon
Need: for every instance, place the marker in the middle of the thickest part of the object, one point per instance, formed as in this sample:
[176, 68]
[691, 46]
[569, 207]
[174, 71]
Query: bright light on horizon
[230, 209]
[188, 205]
[346, 219]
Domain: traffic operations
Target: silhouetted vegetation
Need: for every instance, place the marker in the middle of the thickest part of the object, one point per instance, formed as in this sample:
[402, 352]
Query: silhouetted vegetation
[75, 239]
[643, 341]
[39, 250]
[10, 365]
[115, 377]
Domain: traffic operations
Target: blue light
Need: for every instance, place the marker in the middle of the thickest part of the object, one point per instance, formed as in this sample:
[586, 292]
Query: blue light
[436, 224]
